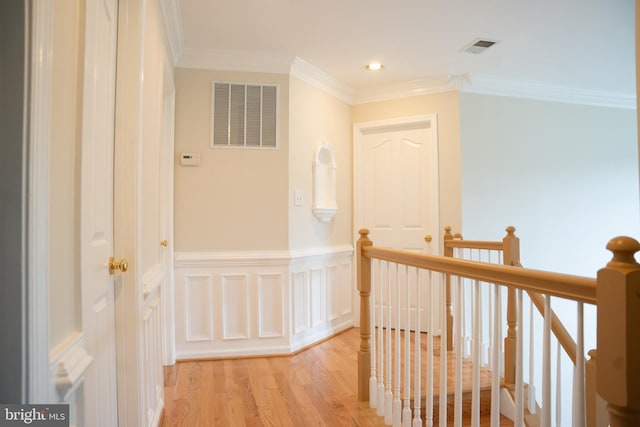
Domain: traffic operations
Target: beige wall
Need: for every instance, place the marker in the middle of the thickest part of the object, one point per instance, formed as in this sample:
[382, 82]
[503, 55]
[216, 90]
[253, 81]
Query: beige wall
[447, 108]
[316, 117]
[64, 171]
[236, 200]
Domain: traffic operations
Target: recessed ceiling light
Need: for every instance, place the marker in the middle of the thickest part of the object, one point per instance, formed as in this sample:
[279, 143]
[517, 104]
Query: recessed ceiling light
[374, 66]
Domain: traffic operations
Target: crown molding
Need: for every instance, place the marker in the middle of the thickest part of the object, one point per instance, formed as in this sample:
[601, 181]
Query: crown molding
[418, 87]
[489, 85]
[173, 28]
[261, 62]
[256, 62]
[321, 80]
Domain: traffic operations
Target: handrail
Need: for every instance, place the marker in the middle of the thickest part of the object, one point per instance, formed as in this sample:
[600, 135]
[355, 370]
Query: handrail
[558, 329]
[617, 324]
[575, 288]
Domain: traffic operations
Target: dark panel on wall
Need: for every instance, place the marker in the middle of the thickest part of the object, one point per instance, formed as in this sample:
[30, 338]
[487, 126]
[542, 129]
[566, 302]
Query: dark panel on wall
[12, 53]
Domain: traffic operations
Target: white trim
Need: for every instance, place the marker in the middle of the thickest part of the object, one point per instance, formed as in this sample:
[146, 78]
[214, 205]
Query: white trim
[189, 337]
[321, 80]
[286, 331]
[168, 294]
[301, 254]
[173, 28]
[68, 364]
[262, 279]
[300, 341]
[151, 279]
[225, 259]
[217, 59]
[262, 62]
[263, 258]
[490, 85]
[238, 281]
[38, 199]
[418, 87]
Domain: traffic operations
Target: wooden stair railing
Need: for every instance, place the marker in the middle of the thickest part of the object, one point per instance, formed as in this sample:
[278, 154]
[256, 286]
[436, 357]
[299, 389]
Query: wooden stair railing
[509, 249]
[617, 297]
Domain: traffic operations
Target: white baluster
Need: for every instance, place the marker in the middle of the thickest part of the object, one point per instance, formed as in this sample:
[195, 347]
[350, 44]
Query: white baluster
[429, 374]
[477, 357]
[373, 389]
[519, 421]
[495, 380]
[397, 404]
[489, 311]
[459, 347]
[558, 386]
[442, 412]
[417, 422]
[531, 390]
[388, 394]
[545, 413]
[380, 382]
[579, 398]
[406, 411]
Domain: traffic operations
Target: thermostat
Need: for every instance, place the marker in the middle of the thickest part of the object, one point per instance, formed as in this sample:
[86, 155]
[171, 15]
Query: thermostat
[190, 159]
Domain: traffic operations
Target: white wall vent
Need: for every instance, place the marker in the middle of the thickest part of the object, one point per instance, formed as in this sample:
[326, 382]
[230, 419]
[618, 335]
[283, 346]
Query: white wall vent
[244, 115]
[479, 46]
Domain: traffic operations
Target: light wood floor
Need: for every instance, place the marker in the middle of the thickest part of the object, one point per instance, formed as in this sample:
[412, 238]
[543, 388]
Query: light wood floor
[316, 387]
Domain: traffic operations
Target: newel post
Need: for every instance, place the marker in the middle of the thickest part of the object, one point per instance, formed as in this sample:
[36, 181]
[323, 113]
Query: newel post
[618, 297]
[511, 256]
[364, 287]
[448, 251]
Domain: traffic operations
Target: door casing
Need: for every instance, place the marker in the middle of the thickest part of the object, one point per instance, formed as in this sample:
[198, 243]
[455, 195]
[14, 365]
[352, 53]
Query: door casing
[360, 130]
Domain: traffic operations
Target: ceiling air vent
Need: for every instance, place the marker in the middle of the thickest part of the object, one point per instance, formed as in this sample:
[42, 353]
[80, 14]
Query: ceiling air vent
[478, 46]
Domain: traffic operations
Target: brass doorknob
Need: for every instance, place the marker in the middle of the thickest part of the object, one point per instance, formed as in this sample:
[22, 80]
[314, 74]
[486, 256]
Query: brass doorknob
[428, 238]
[164, 243]
[121, 265]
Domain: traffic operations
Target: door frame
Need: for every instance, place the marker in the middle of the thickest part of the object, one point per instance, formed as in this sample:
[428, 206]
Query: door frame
[359, 130]
[166, 172]
[38, 74]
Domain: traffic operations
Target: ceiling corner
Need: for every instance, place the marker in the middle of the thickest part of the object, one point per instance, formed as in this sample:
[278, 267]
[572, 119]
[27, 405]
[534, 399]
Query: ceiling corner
[314, 76]
[173, 28]
[418, 87]
[492, 85]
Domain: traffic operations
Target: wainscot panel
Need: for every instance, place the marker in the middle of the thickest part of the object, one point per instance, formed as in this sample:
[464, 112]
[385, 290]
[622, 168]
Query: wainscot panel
[67, 367]
[250, 304]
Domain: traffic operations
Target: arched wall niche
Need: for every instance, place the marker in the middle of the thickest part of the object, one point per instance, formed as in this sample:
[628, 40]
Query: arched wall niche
[324, 183]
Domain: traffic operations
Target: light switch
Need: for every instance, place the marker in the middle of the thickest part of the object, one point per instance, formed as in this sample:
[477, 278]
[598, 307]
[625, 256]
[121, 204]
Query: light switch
[298, 198]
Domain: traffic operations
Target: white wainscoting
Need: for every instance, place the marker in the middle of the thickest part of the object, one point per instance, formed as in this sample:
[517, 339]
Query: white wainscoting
[248, 304]
[153, 380]
[68, 364]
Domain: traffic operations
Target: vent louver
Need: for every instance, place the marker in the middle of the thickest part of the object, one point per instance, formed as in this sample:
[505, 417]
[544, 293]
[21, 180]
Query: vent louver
[244, 115]
[478, 46]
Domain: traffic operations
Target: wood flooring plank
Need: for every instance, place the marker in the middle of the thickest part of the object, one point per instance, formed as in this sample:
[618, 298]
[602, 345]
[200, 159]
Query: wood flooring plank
[316, 387]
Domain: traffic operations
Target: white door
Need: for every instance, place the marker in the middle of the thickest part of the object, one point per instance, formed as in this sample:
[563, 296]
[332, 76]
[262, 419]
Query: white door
[399, 200]
[100, 400]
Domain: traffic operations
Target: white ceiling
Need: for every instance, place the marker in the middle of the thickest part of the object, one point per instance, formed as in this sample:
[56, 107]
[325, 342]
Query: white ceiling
[573, 44]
